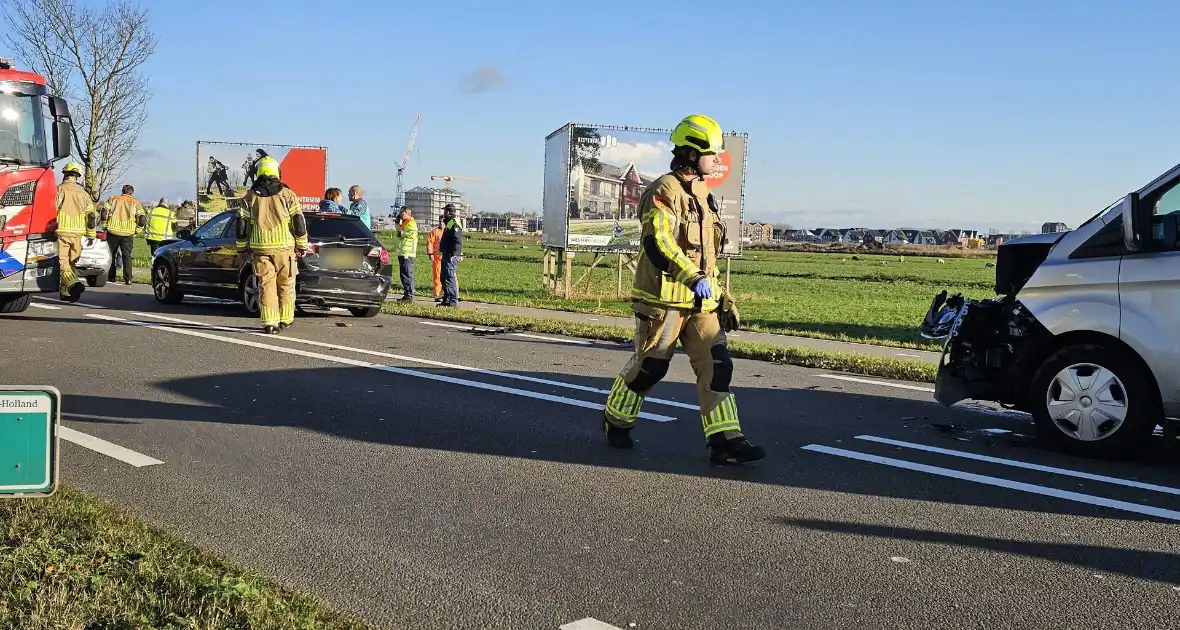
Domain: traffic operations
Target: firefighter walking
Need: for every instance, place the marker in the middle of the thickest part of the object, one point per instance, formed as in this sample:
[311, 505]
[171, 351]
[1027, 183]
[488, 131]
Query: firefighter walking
[676, 297]
[125, 216]
[273, 228]
[76, 219]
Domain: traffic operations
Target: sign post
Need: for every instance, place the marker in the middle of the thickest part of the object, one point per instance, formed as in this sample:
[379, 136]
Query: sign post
[29, 454]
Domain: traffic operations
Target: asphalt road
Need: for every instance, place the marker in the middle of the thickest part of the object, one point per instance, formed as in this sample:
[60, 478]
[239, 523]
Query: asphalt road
[339, 460]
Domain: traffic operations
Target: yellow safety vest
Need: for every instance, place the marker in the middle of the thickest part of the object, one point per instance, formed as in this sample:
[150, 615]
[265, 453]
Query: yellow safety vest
[123, 211]
[159, 225]
[407, 239]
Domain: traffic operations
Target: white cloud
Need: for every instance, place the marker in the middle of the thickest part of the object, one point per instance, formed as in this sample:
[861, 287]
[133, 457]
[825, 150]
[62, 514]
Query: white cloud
[648, 157]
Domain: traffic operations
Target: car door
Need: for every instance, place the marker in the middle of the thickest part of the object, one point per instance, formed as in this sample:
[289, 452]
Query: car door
[198, 270]
[224, 260]
[1149, 294]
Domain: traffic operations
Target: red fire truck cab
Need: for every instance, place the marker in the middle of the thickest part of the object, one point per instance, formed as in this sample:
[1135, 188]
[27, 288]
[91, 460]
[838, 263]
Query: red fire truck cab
[34, 133]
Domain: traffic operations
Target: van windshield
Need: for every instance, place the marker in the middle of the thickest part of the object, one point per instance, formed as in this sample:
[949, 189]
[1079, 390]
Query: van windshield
[22, 129]
[1103, 211]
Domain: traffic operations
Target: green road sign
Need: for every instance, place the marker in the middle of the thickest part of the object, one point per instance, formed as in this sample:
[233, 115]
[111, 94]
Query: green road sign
[29, 418]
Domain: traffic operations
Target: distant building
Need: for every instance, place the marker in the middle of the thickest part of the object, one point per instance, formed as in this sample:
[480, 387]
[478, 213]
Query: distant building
[1051, 228]
[384, 222]
[427, 205]
[757, 232]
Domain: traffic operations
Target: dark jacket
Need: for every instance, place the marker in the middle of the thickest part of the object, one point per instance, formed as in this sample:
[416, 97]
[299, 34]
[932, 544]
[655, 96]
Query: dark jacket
[451, 243]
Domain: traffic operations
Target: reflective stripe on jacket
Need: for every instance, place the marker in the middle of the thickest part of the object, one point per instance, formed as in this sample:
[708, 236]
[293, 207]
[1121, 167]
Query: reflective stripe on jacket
[75, 211]
[681, 238]
[123, 211]
[407, 238]
[269, 219]
[159, 225]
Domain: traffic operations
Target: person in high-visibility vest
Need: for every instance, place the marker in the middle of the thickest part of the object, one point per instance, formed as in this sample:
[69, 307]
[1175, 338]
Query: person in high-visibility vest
[124, 217]
[75, 218]
[432, 241]
[406, 242]
[160, 225]
[273, 228]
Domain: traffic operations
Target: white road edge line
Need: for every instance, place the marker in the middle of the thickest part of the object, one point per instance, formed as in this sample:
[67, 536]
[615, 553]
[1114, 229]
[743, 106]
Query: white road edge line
[869, 381]
[49, 299]
[589, 623]
[48, 307]
[459, 327]
[101, 446]
[380, 367]
[998, 482]
[903, 354]
[576, 342]
[1019, 464]
[453, 366]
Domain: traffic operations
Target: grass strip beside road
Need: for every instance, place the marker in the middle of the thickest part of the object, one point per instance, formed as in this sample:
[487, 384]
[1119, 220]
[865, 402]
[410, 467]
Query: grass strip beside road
[855, 363]
[70, 561]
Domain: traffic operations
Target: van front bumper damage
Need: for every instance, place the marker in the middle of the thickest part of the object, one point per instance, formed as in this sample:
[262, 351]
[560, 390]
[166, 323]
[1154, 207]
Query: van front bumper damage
[988, 345]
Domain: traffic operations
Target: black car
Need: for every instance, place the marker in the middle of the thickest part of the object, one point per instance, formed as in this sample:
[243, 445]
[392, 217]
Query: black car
[346, 266]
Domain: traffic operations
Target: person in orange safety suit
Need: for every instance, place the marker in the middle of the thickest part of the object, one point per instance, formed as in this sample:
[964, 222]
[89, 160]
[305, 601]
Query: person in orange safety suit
[432, 241]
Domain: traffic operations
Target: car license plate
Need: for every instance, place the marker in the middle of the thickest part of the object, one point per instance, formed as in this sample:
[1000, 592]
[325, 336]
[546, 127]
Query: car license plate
[341, 259]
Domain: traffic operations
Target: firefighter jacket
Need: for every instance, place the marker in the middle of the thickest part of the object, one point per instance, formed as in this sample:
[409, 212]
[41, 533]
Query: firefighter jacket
[124, 215]
[432, 241]
[75, 211]
[682, 235]
[272, 219]
[407, 238]
[159, 224]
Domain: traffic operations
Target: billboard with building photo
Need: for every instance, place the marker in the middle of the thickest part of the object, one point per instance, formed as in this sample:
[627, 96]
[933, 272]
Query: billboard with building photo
[225, 171]
[604, 171]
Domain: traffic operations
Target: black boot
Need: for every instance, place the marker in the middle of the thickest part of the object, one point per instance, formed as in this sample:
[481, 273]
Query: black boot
[616, 436]
[283, 326]
[75, 293]
[270, 330]
[737, 450]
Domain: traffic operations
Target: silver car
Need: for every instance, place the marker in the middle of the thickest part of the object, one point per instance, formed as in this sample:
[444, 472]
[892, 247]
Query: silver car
[1084, 333]
[95, 262]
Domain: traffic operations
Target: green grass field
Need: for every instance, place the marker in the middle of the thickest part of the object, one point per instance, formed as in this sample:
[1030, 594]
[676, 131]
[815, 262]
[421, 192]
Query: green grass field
[877, 299]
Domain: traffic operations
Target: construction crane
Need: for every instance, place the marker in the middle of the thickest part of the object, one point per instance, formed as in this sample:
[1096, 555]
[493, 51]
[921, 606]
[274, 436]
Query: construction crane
[400, 198]
[448, 178]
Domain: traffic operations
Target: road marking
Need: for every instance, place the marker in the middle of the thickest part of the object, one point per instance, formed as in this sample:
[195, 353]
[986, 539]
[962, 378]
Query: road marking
[1019, 464]
[98, 445]
[48, 299]
[998, 482]
[903, 354]
[868, 381]
[469, 327]
[589, 623]
[380, 367]
[48, 307]
[453, 366]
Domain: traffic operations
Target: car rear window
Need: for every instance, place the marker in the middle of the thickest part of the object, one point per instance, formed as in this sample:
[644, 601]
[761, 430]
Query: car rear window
[333, 228]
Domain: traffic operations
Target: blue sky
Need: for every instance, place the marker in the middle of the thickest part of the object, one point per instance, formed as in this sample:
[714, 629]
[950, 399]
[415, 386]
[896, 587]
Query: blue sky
[871, 114]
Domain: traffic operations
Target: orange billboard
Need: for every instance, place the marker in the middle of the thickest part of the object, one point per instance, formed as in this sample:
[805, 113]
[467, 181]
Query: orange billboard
[226, 170]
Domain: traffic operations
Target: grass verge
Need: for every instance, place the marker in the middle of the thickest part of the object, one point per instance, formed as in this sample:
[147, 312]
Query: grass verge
[72, 562]
[864, 364]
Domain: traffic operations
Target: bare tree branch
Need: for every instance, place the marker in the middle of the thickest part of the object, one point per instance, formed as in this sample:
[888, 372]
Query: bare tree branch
[91, 57]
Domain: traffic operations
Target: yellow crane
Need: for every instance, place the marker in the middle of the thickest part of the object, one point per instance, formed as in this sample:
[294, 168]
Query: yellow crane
[448, 178]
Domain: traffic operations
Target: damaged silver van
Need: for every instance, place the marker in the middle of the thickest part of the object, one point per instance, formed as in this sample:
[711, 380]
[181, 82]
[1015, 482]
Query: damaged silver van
[1084, 333]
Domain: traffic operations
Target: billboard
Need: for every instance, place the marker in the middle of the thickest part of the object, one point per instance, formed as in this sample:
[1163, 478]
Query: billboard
[225, 171]
[596, 174]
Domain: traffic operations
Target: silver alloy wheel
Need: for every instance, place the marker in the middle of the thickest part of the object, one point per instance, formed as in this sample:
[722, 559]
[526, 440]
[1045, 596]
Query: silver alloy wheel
[250, 293]
[1087, 402]
[163, 282]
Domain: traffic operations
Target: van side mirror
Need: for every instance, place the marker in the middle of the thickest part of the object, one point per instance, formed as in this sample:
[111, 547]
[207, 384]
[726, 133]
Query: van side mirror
[1133, 239]
[60, 110]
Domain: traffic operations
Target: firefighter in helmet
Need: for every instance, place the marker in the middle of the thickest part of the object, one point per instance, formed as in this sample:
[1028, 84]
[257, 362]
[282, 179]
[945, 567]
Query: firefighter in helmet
[76, 218]
[273, 228]
[677, 297]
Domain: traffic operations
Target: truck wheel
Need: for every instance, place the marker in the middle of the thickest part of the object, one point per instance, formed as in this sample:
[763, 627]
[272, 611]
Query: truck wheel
[1092, 400]
[164, 285]
[97, 281]
[17, 304]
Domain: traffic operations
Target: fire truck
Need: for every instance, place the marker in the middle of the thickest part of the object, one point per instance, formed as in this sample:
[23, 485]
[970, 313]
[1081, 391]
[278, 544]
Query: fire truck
[34, 133]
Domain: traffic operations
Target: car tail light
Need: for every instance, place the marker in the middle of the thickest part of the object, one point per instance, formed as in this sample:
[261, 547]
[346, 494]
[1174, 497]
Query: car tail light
[380, 253]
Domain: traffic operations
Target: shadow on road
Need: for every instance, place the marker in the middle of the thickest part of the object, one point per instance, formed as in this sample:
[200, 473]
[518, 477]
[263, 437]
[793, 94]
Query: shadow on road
[1149, 565]
[401, 410]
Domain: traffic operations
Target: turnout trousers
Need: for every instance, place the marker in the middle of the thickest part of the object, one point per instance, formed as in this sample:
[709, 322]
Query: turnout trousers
[657, 330]
[69, 250]
[276, 286]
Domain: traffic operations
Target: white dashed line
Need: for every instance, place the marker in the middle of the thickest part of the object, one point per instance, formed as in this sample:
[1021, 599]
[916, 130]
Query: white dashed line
[868, 381]
[589, 623]
[98, 445]
[47, 307]
[48, 299]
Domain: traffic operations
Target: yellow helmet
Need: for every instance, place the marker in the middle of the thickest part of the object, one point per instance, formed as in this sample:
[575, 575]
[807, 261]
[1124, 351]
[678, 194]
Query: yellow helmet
[699, 132]
[267, 167]
[72, 167]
